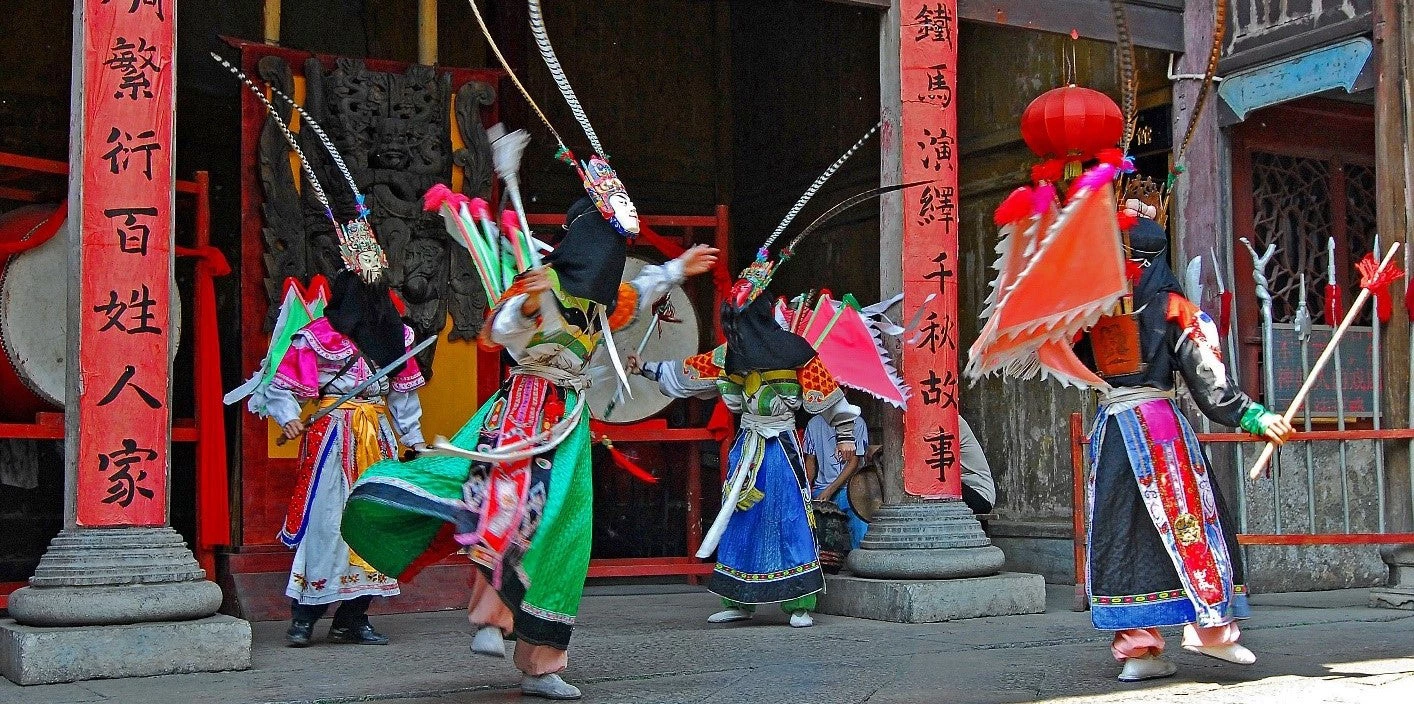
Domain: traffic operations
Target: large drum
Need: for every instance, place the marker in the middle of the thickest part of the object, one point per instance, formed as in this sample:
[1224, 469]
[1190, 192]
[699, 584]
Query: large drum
[670, 340]
[33, 319]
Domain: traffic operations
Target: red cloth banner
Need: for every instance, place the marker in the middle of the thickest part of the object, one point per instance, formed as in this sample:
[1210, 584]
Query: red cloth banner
[124, 165]
[927, 137]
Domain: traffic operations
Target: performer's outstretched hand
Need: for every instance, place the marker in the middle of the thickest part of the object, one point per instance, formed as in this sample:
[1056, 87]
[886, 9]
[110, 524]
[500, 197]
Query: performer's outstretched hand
[699, 259]
[633, 365]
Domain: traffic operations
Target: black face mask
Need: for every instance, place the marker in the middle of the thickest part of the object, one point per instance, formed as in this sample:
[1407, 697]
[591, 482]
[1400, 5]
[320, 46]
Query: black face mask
[756, 342]
[364, 313]
[589, 261]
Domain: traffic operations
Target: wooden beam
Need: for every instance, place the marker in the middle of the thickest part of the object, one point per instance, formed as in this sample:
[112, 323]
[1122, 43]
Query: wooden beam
[1393, 205]
[1155, 24]
[427, 32]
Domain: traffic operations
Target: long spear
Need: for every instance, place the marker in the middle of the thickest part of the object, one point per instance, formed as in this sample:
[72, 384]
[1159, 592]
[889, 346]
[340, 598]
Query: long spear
[1372, 281]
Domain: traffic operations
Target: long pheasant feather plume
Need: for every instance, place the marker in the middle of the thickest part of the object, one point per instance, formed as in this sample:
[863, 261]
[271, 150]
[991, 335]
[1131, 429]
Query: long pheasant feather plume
[547, 51]
[820, 181]
[284, 128]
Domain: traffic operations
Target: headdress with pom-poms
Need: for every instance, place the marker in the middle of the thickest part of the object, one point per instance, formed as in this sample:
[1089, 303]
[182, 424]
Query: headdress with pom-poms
[358, 246]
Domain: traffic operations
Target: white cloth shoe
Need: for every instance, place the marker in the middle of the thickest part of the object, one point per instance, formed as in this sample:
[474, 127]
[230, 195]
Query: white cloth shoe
[548, 687]
[801, 619]
[1146, 668]
[729, 616]
[489, 641]
[1233, 653]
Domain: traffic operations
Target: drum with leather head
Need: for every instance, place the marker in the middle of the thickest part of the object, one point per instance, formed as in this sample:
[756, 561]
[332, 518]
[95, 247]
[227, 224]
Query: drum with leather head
[33, 305]
[675, 337]
[866, 487]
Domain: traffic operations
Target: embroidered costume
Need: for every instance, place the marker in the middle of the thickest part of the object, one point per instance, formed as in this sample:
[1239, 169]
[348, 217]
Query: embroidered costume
[1162, 547]
[764, 535]
[354, 346]
[323, 364]
[516, 487]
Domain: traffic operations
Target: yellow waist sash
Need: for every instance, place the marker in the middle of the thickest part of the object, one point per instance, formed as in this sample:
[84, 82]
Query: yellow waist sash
[364, 415]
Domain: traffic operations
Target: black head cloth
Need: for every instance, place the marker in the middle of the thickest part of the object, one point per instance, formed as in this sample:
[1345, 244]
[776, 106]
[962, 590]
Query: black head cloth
[364, 313]
[589, 261]
[1149, 244]
[756, 342]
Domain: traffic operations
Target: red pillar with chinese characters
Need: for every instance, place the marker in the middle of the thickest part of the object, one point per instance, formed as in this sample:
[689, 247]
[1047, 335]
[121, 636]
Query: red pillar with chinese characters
[926, 135]
[122, 189]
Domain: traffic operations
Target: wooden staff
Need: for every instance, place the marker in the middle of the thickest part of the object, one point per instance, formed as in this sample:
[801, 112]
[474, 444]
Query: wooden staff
[1326, 354]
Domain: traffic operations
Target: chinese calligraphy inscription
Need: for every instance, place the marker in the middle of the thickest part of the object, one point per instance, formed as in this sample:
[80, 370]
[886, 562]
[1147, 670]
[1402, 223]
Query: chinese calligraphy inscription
[125, 196]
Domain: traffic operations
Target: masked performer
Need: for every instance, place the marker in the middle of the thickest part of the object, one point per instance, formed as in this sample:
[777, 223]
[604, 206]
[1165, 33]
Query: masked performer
[353, 346]
[1163, 551]
[518, 492]
[764, 534]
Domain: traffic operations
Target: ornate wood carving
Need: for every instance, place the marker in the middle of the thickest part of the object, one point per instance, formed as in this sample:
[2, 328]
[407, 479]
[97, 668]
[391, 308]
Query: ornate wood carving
[394, 133]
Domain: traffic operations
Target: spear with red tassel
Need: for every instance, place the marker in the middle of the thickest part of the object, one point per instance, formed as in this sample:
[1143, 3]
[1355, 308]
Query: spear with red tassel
[1374, 278]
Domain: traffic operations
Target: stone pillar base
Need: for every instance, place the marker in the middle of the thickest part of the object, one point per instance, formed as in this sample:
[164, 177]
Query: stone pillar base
[47, 655]
[118, 602]
[930, 562]
[1399, 592]
[933, 600]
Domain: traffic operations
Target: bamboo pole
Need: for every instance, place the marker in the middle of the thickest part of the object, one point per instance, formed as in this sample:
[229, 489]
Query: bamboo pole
[427, 32]
[1350, 316]
[272, 22]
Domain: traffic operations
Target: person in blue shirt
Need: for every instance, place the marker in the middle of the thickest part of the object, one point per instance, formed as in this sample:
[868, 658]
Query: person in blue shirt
[828, 472]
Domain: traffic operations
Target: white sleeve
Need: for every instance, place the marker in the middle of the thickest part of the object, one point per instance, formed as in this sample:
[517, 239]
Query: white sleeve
[674, 383]
[406, 410]
[841, 413]
[655, 280]
[279, 403]
[509, 328]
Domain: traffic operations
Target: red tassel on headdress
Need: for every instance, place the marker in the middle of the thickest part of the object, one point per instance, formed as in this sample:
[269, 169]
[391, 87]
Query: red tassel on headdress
[1127, 220]
[1049, 170]
[1113, 157]
[1021, 204]
[627, 464]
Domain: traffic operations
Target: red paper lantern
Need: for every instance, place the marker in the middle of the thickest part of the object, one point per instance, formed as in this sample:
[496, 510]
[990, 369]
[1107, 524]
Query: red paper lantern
[1071, 124]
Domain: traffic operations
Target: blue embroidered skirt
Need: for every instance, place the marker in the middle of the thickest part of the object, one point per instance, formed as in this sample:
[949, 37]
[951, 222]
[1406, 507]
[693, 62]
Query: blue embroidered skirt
[768, 553]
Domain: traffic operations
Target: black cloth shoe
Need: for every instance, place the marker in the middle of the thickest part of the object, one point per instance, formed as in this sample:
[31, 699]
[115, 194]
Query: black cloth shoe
[299, 634]
[358, 635]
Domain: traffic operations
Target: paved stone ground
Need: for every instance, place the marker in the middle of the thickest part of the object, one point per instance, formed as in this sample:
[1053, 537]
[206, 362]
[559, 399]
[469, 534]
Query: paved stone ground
[652, 645]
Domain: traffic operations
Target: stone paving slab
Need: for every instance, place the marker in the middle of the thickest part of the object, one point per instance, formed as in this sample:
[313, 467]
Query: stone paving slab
[642, 647]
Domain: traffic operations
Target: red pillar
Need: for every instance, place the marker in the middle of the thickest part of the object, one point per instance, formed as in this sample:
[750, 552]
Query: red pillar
[925, 136]
[118, 416]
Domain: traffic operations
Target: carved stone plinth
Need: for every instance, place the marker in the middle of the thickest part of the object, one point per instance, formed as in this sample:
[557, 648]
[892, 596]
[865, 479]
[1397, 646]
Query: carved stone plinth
[113, 576]
[1398, 593]
[929, 562]
[934, 540]
[118, 602]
